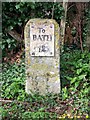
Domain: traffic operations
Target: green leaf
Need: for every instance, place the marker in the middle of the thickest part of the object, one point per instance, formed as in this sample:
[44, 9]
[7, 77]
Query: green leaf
[33, 6]
[79, 71]
[10, 27]
[81, 77]
[17, 6]
[77, 84]
[41, 109]
[73, 80]
[9, 45]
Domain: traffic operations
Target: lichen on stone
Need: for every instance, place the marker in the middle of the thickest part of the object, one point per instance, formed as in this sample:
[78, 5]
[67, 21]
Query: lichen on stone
[42, 71]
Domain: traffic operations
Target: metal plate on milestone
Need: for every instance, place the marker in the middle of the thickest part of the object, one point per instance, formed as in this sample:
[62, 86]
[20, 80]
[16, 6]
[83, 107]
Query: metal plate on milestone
[41, 39]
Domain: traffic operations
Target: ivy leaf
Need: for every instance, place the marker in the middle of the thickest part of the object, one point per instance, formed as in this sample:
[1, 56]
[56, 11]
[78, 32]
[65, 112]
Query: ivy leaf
[10, 27]
[73, 80]
[17, 6]
[79, 71]
[81, 77]
[41, 109]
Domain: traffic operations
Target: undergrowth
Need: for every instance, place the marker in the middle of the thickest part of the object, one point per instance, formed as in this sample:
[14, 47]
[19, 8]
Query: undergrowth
[72, 101]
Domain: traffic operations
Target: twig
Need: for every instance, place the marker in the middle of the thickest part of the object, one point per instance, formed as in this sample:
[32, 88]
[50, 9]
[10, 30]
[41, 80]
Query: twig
[13, 101]
[70, 7]
[15, 35]
[53, 10]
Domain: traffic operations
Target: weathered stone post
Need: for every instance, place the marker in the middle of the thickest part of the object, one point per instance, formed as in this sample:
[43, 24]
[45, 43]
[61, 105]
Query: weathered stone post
[42, 56]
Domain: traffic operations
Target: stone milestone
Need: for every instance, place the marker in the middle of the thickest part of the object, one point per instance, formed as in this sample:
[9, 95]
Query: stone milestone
[42, 56]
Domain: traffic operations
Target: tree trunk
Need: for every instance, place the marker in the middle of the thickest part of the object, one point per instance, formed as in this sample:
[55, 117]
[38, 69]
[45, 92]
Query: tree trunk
[63, 23]
[88, 31]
